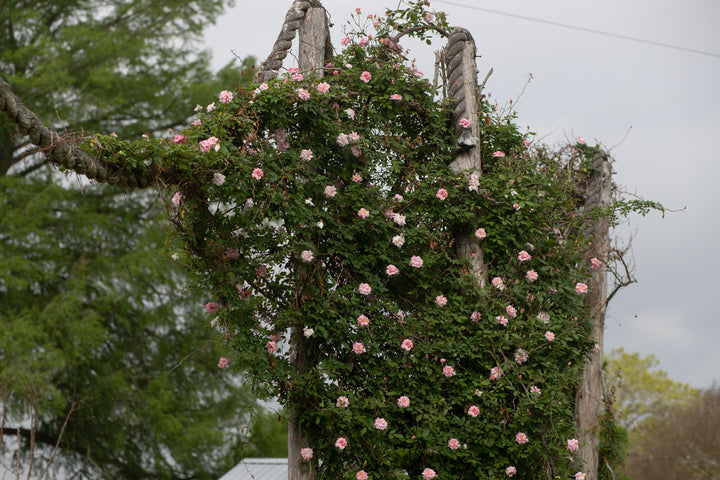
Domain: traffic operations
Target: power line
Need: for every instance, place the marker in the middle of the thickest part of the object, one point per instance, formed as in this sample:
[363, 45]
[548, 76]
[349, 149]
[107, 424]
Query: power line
[583, 29]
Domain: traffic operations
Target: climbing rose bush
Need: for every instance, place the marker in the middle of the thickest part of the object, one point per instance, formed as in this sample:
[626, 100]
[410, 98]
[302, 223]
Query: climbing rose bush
[323, 211]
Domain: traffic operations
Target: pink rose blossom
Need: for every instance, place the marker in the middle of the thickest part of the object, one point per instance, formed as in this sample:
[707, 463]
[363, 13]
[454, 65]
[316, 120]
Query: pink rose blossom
[197, 122]
[502, 320]
[345, 41]
[365, 76]
[176, 198]
[448, 371]
[210, 107]
[303, 94]
[581, 141]
[475, 316]
[353, 136]
[510, 471]
[298, 77]
[550, 336]
[380, 423]
[524, 256]
[407, 345]
[474, 182]
[395, 96]
[223, 363]
[350, 113]
[257, 174]
[428, 474]
[498, 154]
[342, 402]
[271, 346]
[441, 300]
[392, 270]
[403, 402]
[398, 241]
[595, 263]
[306, 256]
[343, 140]
[356, 150]
[363, 213]
[356, 178]
[516, 206]
[399, 219]
[535, 389]
[521, 356]
[306, 155]
[442, 194]
[358, 348]
[361, 475]
[581, 288]
[596, 348]
[211, 307]
[521, 438]
[362, 42]
[330, 191]
[218, 179]
[511, 311]
[480, 233]
[364, 289]
[453, 444]
[464, 122]
[498, 283]
[263, 86]
[226, 96]
[341, 443]
[579, 476]
[496, 372]
[572, 445]
[544, 317]
[531, 275]
[429, 17]
[323, 87]
[363, 321]
[306, 453]
[416, 261]
[473, 411]
[179, 139]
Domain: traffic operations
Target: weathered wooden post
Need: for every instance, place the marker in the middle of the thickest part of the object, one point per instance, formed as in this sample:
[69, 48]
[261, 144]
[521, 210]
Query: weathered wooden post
[463, 91]
[589, 401]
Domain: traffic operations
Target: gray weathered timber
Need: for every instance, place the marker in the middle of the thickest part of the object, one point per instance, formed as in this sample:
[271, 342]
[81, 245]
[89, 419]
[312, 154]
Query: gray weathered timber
[589, 401]
[463, 91]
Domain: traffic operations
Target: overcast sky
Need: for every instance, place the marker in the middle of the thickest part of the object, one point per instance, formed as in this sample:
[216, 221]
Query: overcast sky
[656, 108]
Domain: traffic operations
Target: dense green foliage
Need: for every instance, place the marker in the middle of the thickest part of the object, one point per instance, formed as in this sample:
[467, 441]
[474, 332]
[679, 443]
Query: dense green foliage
[132, 66]
[95, 319]
[323, 212]
[97, 325]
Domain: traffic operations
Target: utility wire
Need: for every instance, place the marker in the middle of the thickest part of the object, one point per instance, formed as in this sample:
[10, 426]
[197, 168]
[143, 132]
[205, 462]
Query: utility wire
[582, 29]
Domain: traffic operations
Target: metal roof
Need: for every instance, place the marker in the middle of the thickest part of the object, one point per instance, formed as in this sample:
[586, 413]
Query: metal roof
[259, 469]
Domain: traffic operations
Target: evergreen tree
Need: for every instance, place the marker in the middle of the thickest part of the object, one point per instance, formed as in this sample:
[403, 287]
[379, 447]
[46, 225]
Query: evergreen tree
[94, 328]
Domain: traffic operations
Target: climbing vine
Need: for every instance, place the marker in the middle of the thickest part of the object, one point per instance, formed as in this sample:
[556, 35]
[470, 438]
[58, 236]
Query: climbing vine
[325, 206]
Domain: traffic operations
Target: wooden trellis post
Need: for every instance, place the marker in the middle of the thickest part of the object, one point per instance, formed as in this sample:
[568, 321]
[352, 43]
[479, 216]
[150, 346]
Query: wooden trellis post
[589, 401]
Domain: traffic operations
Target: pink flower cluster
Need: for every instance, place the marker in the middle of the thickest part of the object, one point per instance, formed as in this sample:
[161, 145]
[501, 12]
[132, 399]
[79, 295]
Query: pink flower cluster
[380, 423]
[428, 474]
[306, 256]
[416, 261]
[521, 438]
[358, 348]
[442, 194]
[531, 275]
[363, 213]
[403, 402]
[496, 372]
[521, 356]
[550, 336]
[211, 307]
[271, 346]
[510, 471]
[448, 371]
[365, 76]
[363, 321]
[573, 445]
[392, 270]
[535, 389]
[441, 300]
[257, 174]
[407, 345]
[226, 96]
[524, 256]
[341, 443]
[206, 145]
[361, 475]
[473, 411]
[498, 283]
[581, 288]
[480, 233]
[453, 444]
[342, 402]
[306, 453]
[223, 363]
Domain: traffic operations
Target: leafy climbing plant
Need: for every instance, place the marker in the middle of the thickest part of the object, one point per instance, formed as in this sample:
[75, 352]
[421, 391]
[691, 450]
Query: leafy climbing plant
[324, 209]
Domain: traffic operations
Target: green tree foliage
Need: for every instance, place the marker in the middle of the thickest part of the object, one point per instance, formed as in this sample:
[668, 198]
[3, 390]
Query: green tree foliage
[130, 66]
[95, 325]
[95, 328]
[685, 445]
[643, 391]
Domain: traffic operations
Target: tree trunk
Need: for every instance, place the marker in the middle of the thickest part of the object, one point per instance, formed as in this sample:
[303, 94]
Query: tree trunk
[313, 32]
[589, 401]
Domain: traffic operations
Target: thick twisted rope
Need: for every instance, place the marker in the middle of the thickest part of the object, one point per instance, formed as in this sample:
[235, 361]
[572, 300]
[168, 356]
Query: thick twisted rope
[293, 19]
[60, 152]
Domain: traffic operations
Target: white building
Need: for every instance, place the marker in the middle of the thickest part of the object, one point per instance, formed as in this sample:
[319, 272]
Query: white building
[259, 469]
